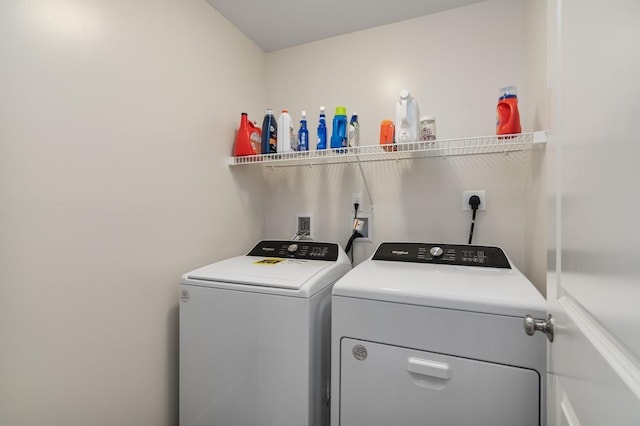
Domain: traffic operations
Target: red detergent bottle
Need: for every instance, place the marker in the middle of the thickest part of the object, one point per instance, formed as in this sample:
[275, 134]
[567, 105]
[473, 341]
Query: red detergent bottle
[507, 115]
[243, 144]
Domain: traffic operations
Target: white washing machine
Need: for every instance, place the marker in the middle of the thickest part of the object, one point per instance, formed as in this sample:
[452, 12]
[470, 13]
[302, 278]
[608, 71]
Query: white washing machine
[255, 336]
[432, 334]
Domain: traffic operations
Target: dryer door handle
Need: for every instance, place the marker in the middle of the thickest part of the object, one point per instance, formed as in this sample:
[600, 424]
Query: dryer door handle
[425, 367]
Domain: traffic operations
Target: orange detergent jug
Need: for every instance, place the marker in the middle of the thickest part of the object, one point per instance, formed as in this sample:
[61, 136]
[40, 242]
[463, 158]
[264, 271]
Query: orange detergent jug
[507, 115]
[244, 138]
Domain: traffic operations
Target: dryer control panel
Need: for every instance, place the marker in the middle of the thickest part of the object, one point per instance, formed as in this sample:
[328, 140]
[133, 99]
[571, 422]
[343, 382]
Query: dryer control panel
[309, 250]
[444, 254]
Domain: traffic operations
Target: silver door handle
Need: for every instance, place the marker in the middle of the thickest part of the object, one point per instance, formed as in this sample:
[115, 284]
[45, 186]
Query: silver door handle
[531, 325]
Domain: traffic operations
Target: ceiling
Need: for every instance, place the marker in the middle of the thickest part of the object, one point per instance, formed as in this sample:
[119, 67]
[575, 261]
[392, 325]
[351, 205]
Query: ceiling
[277, 24]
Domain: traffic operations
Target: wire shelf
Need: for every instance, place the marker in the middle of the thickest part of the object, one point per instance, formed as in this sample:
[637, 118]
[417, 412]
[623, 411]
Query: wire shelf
[438, 148]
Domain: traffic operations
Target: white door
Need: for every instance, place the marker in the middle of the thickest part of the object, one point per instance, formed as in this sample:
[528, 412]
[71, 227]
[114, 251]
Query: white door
[594, 170]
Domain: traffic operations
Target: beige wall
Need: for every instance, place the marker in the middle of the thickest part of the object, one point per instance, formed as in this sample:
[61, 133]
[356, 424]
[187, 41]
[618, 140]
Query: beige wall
[454, 64]
[115, 118]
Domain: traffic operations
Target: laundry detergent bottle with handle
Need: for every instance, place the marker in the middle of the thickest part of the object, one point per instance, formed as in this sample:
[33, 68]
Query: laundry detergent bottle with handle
[286, 137]
[407, 118]
[339, 134]
[507, 115]
[243, 145]
[322, 130]
[269, 133]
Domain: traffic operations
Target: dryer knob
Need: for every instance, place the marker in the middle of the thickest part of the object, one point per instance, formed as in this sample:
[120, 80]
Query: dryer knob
[436, 251]
[292, 248]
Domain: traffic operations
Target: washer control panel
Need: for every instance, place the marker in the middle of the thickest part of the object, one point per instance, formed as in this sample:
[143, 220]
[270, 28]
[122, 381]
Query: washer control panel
[309, 250]
[443, 254]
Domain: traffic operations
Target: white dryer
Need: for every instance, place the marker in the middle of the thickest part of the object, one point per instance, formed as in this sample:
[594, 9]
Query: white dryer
[255, 336]
[432, 334]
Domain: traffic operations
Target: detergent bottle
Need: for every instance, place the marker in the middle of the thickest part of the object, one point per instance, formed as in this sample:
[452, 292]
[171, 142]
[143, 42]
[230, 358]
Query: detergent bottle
[303, 133]
[387, 135]
[339, 134]
[255, 135]
[354, 131]
[243, 144]
[269, 133]
[286, 138]
[507, 115]
[322, 130]
[407, 118]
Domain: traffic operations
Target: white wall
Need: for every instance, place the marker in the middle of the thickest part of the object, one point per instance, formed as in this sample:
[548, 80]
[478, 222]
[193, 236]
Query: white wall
[454, 63]
[115, 118]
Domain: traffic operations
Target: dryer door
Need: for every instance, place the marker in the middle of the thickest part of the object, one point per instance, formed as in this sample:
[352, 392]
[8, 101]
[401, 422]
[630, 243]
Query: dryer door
[389, 385]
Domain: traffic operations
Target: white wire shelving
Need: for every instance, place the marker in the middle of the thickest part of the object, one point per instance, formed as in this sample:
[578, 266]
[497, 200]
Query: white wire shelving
[439, 148]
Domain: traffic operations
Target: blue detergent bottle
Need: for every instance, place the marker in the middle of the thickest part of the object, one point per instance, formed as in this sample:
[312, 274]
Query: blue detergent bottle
[322, 130]
[269, 133]
[339, 135]
[303, 133]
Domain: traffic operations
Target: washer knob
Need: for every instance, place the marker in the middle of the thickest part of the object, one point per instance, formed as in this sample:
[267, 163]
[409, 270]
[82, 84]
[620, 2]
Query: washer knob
[292, 248]
[436, 251]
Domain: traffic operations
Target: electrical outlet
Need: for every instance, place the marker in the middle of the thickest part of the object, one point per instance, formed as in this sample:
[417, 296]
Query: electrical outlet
[466, 195]
[364, 223]
[304, 222]
[356, 197]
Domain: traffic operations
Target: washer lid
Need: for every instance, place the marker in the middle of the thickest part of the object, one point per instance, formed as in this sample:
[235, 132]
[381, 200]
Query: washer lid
[494, 290]
[302, 265]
